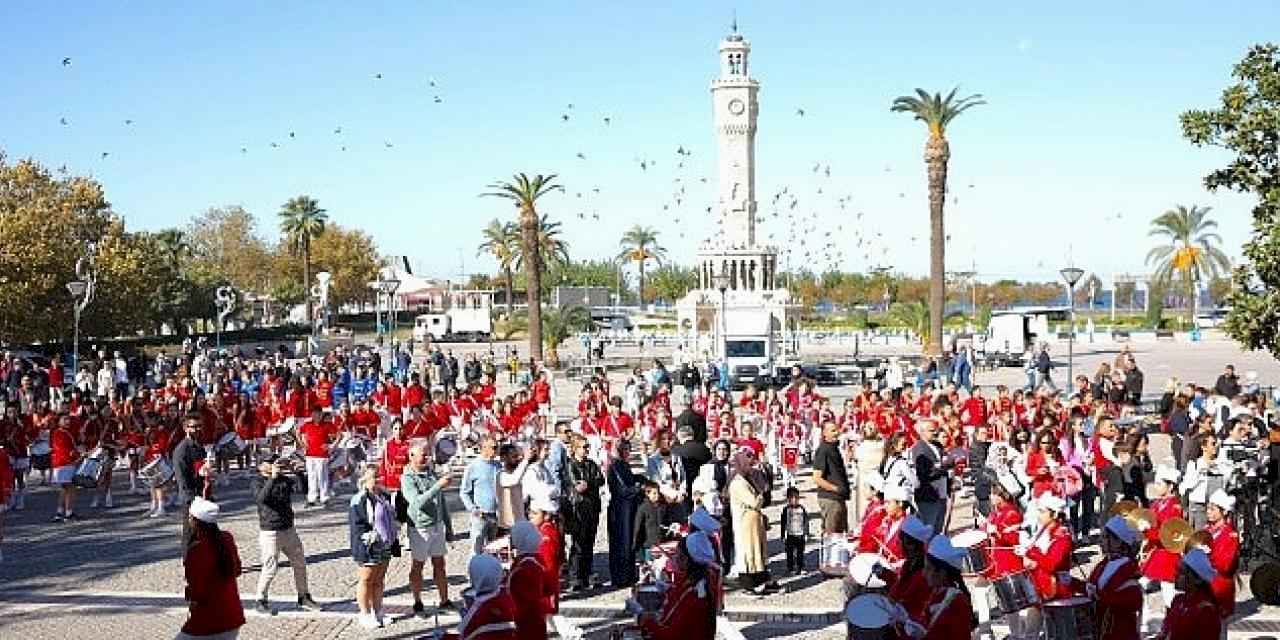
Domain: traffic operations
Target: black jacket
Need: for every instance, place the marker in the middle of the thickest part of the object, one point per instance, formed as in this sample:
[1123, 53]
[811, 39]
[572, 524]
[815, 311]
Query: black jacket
[274, 497]
[650, 518]
[694, 421]
[185, 456]
[693, 455]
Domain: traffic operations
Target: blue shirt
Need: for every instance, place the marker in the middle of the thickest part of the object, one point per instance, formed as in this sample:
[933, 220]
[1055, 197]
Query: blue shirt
[479, 489]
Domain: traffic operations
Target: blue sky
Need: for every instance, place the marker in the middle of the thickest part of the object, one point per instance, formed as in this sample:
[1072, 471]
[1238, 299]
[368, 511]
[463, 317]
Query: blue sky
[1076, 151]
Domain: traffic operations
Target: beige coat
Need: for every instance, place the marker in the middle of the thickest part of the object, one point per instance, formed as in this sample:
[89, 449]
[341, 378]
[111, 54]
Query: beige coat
[750, 529]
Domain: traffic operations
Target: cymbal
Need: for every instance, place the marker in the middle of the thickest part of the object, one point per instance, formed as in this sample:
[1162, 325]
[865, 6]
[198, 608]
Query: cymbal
[1141, 519]
[1122, 508]
[1174, 534]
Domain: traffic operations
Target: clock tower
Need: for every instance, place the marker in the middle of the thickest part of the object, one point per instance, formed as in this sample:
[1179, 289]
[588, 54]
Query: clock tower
[733, 98]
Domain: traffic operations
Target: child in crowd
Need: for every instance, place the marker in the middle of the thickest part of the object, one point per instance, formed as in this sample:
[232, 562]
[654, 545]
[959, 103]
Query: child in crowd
[795, 531]
[650, 519]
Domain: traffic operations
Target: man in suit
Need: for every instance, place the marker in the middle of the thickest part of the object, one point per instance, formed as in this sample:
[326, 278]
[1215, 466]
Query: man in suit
[690, 418]
[931, 476]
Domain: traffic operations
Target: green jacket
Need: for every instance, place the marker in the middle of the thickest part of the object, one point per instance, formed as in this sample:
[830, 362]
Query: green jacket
[427, 507]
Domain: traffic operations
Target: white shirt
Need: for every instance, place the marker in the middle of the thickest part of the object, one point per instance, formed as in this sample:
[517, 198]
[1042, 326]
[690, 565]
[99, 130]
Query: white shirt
[106, 380]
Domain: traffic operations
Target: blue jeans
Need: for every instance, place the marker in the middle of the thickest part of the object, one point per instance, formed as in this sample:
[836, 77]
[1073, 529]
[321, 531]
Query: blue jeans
[483, 530]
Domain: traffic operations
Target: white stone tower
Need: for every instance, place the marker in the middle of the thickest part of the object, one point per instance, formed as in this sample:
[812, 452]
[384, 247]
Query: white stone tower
[752, 297]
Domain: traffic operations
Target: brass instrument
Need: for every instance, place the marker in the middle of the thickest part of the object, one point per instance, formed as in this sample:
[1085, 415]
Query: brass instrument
[1122, 508]
[1175, 533]
[1141, 519]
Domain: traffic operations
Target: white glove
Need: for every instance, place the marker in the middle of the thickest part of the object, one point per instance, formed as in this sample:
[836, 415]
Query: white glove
[369, 537]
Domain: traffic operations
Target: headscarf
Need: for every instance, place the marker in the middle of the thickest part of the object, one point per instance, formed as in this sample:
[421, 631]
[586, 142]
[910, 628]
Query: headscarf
[485, 572]
[525, 537]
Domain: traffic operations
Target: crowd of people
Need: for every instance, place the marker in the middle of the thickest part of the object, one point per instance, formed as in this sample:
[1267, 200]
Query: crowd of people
[1047, 471]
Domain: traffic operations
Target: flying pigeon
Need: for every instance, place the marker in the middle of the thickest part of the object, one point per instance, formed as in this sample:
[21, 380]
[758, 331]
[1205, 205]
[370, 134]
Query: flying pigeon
[564, 116]
[388, 144]
[437, 100]
[244, 150]
[431, 82]
[291, 134]
[570, 106]
[275, 146]
[105, 154]
[337, 130]
[606, 120]
[66, 62]
[377, 76]
[63, 121]
[800, 112]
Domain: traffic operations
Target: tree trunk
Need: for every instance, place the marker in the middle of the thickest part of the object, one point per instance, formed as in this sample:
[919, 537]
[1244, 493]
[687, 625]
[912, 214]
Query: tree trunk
[642, 283]
[510, 287]
[306, 276]
[533, 279]
[936, 155]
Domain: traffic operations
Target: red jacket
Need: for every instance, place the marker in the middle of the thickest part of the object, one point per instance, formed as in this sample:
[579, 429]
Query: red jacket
[541, 392]
[1162, 564]
[491, 617]
[395, 457]
[1051, 562]
[1118, 601]
[1224, 554]
[549, 556]
[1038, 471]
[528, 586]
[948, 616]
[315, 436]
[214, 601]
[912, 591]
[868, 542]
[685, 615]
[887, 534]
[6, 477]
[63, 446]
[1003, 527]
[1192, 616]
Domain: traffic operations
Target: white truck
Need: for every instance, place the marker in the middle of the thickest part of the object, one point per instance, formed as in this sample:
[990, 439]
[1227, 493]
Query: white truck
[465, 318]
[1011, 331]
[751, 351]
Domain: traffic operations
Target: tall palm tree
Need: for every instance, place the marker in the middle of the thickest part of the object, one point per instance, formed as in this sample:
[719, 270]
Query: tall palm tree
[640, 244]
[1191, 254]
[301, 221]
[559, 325]
[524, 192]
[552, 249]
[936, 112]
[502, 241]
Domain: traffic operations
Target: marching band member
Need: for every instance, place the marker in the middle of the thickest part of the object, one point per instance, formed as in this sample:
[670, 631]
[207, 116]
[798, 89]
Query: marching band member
[1004, 526]
[911, 588]
[896, 502]
[949, 611]
[1161, 564]
[690, 605]
[543, 513]
[1113, 584]
[1194, 613]
[492, 615]
[872, 516]
[1224, 551]
[6, 486]
[316, 435]
[527, 582]
[1048, 556]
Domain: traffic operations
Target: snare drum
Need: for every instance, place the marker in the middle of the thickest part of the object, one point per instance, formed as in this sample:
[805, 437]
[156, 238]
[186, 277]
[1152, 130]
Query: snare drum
[648, 597]
[157, 473]
[874, 614]
[977, 546]
[1016, 592]
[89, 472]
[834, 560]
[1071, 619]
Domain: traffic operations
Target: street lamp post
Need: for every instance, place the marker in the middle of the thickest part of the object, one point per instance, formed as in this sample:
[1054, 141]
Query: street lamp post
[1072, 275]
[77, 289]
[384, 288]
[225, 297]
[721, 282]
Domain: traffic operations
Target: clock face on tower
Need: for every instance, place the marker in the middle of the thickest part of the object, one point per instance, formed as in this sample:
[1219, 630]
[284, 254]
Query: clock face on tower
[736, 107]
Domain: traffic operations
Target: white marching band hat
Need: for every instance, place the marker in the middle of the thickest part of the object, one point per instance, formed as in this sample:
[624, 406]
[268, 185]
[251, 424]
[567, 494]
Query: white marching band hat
[1051, 502]
[1223, 500]
[897, 493]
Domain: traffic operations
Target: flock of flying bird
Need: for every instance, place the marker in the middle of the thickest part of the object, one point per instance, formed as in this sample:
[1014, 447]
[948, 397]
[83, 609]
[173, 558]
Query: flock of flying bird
[808, 232]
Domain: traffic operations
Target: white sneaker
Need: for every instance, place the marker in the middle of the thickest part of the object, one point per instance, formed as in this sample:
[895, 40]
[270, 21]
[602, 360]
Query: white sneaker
[109, 504]
[367, 620]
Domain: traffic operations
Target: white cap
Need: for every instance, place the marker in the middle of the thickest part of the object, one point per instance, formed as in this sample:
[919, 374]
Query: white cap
[1051, 502]
[1119, 527]
[940, 547]
[1167, 474]
[862, 569]
[875, 481]
[703, 521]
[1220, 498]
[916, 528]
[204, 510]
[700, 548]
[897, 493]
[1198, 561]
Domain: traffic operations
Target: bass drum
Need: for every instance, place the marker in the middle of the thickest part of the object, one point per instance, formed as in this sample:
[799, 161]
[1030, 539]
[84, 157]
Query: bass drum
[1265, 583]
[874, 615]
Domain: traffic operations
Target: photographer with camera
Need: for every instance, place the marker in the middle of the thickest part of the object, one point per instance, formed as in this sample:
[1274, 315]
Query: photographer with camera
[273, 494]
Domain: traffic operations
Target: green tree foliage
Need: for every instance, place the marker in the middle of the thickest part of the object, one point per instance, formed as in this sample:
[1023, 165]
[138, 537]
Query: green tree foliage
[670, 282]
[1190, 253]
[558, 325]
[585, 273]
[524, 192]
[302, 221]
[640, 245]
[502, 242]
[225, 247]
[1247, 124]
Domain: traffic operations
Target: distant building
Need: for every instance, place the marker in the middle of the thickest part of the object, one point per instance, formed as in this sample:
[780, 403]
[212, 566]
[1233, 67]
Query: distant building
[562, 297]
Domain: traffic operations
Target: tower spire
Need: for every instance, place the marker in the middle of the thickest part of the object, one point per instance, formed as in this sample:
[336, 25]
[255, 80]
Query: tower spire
[734, 26]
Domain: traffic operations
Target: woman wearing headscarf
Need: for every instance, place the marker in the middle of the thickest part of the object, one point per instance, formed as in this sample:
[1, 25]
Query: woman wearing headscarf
[624, 492]
[746, 499]
[374, 537]
[720, 470]
[527, 582]
[211, 565]
[1194, 612]
[690, 606]
[492, 615]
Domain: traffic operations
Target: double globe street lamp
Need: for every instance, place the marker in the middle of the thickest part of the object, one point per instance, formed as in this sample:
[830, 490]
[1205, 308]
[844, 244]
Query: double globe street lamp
[1072, 275]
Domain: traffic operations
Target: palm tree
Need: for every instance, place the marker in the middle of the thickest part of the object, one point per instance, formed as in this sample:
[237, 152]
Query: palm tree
[1191, 253]
[524, 192]
[173, 248]
[641, 245]
[936, 112]
[302, 220]
[552, 249]
[559, 324]
[502, 241]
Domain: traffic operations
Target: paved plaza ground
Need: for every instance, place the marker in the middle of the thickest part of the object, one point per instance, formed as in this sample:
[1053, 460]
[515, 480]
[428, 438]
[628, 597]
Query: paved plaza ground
[116, 574]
